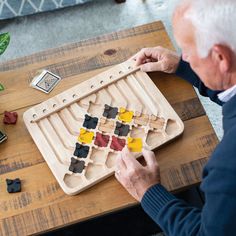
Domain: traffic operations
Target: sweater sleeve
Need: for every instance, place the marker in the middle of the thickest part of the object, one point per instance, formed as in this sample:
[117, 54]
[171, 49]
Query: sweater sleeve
[185, 72]
[217, 217]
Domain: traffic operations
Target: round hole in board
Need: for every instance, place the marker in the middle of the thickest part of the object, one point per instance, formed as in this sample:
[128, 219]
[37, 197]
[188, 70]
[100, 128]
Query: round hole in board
[44, 110]
[111, 77]
[74, 95]
[120, 72]
[101, 82]
[54, 105]
[34, 115]
[92, 86]
[64, 100]
[130, 67]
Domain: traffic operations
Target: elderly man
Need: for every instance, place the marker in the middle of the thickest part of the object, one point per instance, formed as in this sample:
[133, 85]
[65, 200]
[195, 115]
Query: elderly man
[204, 30]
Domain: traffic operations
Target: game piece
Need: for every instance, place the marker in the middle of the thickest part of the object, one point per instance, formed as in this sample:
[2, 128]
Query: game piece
[101, 140]
[106, 126]
[134, 144]
[76, 166]
[1, 87]
[13, 185]
[45, 81]
[10, 117]
[3, 137]
[90, 122]
[117, 144]
[125, 115]
[157, 122]
[85, 136]
[121, 129]
[141, 119]
[81, 150]
[110, 112]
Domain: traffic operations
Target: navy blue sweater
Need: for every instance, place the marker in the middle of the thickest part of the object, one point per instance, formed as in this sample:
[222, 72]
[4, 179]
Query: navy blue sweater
[218, 216]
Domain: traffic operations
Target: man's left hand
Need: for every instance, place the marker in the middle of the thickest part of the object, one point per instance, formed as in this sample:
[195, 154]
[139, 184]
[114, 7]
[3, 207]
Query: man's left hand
[135, 177]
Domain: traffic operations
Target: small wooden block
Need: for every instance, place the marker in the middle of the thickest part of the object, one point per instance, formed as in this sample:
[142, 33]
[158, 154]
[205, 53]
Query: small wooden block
[85, 136]
[90, 122]
[141, 119]
[81, 150]
[125, 115]
[157, 122]
[101, 140]
[76, 166]
[121, 129]
[13, 185]
[10, 117]
[110, 112]
[117, 144]
[134, 144]
[106, 126]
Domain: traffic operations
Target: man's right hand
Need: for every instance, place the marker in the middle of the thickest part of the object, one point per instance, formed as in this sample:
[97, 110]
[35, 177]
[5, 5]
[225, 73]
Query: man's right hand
[157, 59]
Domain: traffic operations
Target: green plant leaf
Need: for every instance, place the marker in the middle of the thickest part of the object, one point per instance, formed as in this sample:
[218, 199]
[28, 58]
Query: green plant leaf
[4, 41]
[1, 87]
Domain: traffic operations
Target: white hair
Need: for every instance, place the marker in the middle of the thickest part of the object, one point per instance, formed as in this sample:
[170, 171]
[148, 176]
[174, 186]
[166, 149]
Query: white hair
[214, 22]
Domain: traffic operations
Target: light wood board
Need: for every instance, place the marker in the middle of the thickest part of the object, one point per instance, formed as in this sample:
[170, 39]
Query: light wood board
[55, 124]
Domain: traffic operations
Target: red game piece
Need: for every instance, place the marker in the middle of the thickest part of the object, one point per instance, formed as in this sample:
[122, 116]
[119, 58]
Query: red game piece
[10, 117]
[101, 140]
[117, 144]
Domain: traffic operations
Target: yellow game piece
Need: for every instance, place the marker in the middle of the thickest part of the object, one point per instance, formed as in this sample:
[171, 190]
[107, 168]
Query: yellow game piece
[135, 144]
[125, 115]
[85, 136]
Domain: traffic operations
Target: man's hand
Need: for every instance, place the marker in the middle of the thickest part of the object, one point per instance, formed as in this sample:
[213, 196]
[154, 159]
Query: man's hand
[157, 59]
[136, 178]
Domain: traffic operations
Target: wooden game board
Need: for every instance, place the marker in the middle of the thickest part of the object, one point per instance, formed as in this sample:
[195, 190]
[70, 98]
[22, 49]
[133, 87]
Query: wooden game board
[79, 155]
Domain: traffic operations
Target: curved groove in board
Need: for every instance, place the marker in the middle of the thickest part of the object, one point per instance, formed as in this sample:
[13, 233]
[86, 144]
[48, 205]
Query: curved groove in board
[133, 100]
[103, 97]
[55, 142]
[70, 123]
[117, 98]
[59, 127]
[77, 112]
[143, 96]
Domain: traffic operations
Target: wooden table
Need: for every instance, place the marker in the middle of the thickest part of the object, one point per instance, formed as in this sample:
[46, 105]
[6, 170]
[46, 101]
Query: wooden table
[42, 205]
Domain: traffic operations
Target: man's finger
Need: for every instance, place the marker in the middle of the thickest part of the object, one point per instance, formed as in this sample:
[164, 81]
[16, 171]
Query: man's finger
[129, 158]
[120, 164]
[152, 66]
[149, 157]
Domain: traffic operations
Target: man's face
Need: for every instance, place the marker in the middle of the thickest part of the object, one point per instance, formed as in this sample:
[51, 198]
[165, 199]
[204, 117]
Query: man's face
[205, 68]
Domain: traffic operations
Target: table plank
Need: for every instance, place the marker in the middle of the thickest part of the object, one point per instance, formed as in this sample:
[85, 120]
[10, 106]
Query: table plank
[42, 206]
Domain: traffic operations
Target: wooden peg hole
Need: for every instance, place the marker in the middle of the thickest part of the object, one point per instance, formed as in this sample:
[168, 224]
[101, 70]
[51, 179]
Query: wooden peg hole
[54, 105]
[92, 86]
[44, 110]
[74, 95]
[34, 115]
[111, 77]
[101, 82]
[64, 100]
[130, 67]
[120, 72]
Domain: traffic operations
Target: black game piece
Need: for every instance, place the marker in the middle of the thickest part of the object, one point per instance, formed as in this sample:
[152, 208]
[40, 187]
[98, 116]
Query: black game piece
[76, 166]
[3, 137]
[13, 185]
[110, 112]
[90, 122]
[121, 129]
[81, 151]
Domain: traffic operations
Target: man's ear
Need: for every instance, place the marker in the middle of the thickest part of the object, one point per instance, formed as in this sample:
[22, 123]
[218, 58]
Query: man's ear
[222, 57]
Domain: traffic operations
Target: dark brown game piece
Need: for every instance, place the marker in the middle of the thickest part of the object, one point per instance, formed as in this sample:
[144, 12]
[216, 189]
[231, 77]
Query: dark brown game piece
[90, 122]
[76, 166]
[117, 144]
[3, 137]
[81, 150]
[10, 117]
[101, 140]
[121, 129]
[110, 112]
[13, 185]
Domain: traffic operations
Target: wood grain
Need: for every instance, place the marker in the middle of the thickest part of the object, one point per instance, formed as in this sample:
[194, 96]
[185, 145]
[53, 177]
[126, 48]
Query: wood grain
[42, 206]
